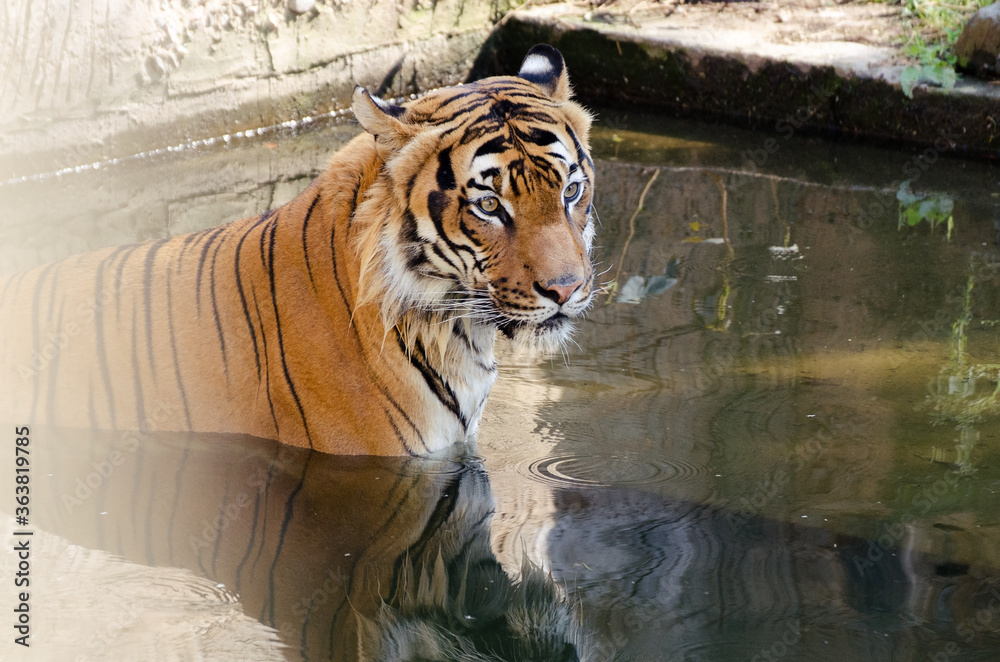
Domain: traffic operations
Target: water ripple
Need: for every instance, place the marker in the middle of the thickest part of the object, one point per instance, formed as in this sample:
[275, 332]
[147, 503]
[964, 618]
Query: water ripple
[619, 470]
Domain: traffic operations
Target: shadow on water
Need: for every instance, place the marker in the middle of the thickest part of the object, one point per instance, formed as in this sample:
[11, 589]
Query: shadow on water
[777, 439]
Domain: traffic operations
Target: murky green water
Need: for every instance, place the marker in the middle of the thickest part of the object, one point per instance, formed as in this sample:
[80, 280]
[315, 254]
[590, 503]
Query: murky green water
[777, 438]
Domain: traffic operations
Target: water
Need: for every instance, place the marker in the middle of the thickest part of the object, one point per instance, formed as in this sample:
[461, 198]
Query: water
[777, 437]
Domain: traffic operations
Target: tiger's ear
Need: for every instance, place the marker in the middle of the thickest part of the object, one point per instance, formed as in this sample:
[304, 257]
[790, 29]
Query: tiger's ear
[382, 120]
[544, 66]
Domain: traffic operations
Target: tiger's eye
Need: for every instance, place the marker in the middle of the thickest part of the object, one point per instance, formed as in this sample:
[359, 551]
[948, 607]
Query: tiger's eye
[489, 205]
[570, 191]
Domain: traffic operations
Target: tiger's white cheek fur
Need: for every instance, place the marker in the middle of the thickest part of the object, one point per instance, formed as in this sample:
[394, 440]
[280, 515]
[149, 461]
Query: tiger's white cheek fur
[589, 231]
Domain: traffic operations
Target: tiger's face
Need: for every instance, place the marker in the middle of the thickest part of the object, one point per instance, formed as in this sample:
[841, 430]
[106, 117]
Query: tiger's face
[493, 184]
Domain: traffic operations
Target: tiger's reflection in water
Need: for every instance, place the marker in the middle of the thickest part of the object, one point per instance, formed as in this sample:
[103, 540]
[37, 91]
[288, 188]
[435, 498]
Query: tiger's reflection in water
[346, 557]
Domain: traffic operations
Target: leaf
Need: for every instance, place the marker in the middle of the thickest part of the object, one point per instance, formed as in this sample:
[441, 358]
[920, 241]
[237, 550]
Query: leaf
[908, 79]
[948, 77]
[930, 73]
[694, 226]
[939, 74]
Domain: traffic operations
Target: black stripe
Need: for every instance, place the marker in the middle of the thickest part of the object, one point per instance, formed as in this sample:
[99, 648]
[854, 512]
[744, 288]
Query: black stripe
[408, 232]
[361, 349]
[459, 332]
[418, 359]
[354, 197]
[188, 240]
[399, 433]
[263, 236]
[416, 260]
[445, 173]
[437, 203]
[267, 365]
[458, 96]
[476, 185]
[215, 311]
[336, 276]
[102, 357]
[147, 294]
[272, 469]
[412, 182]
[444, 258]
[173, 348]
[286, 521]
[250, 543]
[496, 145]
[119, 276]
[516, 170]
[281, 341]
[581, 153]
[305, 245]
[470, 233]
[243, 298]
[412, 244]
[520, 90]
[540, 137]
[220, 516]
[201, 265]
[140, 405]
[517, 306]
[53, 297]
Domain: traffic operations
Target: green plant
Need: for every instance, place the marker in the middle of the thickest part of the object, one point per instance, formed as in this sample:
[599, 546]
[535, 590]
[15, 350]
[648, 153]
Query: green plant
[934, 27]
[967, 390]
[935, 209]
[936, 66]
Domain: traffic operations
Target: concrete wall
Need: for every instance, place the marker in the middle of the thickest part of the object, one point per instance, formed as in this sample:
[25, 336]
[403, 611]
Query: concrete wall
[84, 80]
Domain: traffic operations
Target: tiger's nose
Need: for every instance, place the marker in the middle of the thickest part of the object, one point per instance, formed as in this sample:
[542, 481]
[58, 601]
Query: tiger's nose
[559, 289]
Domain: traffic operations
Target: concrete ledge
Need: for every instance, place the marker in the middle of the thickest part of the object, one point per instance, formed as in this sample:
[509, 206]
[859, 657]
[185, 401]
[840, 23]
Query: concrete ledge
[755, 77]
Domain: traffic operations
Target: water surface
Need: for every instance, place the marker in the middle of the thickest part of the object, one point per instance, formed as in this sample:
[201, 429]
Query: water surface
[776, 436]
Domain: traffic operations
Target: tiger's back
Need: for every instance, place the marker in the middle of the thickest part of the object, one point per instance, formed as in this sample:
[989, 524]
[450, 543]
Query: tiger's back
[358, 318]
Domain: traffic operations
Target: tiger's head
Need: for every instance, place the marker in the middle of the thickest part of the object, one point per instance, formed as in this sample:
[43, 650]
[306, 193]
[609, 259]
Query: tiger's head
[485, 207]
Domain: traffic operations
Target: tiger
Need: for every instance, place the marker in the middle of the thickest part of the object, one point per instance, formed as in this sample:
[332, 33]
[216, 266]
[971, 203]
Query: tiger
[359, 318]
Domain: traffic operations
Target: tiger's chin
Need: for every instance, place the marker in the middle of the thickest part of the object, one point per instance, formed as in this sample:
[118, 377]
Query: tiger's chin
[543, 338]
